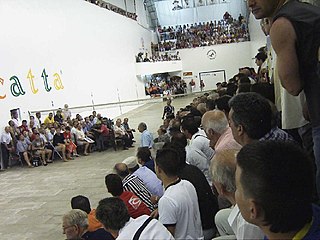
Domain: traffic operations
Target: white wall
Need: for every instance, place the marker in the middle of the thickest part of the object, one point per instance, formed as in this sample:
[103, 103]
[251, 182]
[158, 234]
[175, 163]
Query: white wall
[90, 48]
[229, 57]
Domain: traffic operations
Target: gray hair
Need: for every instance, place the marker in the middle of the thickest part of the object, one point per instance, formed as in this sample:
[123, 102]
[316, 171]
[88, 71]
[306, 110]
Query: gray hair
[77, 217]
[223, 169]
[220, 123]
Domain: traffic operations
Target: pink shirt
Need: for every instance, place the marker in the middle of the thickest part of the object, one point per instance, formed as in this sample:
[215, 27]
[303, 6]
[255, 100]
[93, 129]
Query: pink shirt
[226, 141]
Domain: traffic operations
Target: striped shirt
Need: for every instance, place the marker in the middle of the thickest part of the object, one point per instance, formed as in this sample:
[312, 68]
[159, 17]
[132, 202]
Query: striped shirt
[135, 185]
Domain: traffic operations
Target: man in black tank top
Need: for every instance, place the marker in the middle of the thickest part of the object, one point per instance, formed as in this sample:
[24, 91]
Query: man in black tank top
[295, 37]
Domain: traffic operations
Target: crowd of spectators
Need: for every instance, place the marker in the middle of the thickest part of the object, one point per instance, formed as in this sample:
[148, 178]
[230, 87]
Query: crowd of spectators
[113, 8]
[40, 141]
[158, 57]
[163, 84]
[207, 154]
[227, 30]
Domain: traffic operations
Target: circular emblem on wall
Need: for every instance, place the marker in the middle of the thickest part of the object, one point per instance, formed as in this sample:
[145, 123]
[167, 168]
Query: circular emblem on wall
[211, 54]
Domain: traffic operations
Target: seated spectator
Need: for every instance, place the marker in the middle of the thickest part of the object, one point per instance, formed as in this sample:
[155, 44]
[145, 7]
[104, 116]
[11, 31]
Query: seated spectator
[83, 203]
[144, 158]
[66, 113]
[121, 133]
[148, 177]
[38, 148]
[136, 207]
[250, 119]
[215, 124]
[114, 216]
[269, 193]
[101, 135]
[58, 118]
[208, 202]
[59, 143]
[24, 148]
[129, 130]
[146, 137]
[49, 119]
[24, 126]
[178, 207]
[134, 184]
[71, 148]
[163, 137]
[75, 226]
[230, 221]
[80, 138]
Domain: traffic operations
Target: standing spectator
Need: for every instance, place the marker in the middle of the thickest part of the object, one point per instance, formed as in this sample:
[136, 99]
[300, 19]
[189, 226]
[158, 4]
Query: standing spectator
[66, 113]
[293, 22]
[168, 110]
[6, 147]
[37, 119]
[146, 137]
[49, 119]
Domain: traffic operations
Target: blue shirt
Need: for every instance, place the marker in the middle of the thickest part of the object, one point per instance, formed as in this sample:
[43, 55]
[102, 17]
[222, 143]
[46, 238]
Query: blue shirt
[146, 139]
[150, 179]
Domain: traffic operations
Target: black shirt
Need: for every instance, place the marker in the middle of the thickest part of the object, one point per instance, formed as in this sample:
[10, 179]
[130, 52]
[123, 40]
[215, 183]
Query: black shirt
[58, 139]
[99, 234]
[208, 203]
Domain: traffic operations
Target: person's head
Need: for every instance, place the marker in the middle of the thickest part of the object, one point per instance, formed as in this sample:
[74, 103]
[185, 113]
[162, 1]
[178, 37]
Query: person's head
[24, 123]
[114, 184]
[74, 224]
[169, 102]
[189, 127]
[11, 123]
[214, 123]
[52, 130]
[260, 58]
[50, 116]
[37, 136]
[118, 122]
[250, 117]
[66, 106]
[162, 130]
[222, 104]
[202, 108]
[58, 131]
[167, 163]
[94, 113]
[125, 120]
[142, 126]
[21, 137]
[274, 182]
[38, 115]
[58, 112]
[67, 129]
[143, 155]
[82, 203]
[132, 163]
[113, 214]
[264, 8]
[14, 114]
[223, 169]
[121, 169]
[210, 104]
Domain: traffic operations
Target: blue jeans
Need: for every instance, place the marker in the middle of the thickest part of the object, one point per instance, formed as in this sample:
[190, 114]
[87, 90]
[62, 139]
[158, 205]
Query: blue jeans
[316, 150]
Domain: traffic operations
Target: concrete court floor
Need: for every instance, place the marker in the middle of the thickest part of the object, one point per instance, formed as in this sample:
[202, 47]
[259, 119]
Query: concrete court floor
[33, 201]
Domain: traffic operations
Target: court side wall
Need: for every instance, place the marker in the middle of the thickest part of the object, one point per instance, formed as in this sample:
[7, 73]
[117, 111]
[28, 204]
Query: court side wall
[57, 52]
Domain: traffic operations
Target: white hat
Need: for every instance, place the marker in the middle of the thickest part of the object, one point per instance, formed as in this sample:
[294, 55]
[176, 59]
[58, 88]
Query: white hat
[131, 162]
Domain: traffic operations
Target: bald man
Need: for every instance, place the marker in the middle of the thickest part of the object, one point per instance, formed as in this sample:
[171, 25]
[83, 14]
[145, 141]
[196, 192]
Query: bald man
[215, 124]
[134, 184]
[230, 221]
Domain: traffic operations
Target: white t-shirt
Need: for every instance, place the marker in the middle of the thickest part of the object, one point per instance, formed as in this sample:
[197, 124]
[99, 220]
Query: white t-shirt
[6, 138]
[179, 206]
[241, 228]
[200, 141]
[154, 230]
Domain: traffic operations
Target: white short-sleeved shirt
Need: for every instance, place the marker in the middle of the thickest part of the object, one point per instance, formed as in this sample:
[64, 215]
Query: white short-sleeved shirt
[154, 230]
[200, 141]
[179, 206]
[241, 228]
[6, 138]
